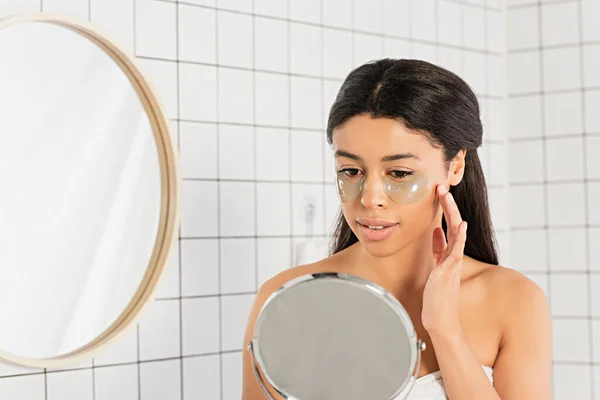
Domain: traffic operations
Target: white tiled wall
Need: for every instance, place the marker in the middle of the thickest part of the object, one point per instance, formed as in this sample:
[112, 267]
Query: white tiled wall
[554, 141]
[247, 85]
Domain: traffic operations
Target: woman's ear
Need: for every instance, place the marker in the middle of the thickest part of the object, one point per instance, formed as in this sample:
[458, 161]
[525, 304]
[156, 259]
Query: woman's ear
[457, 168]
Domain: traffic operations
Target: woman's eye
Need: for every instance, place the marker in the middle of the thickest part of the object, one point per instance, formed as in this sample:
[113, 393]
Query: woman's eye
[401, 174]
[351, 172]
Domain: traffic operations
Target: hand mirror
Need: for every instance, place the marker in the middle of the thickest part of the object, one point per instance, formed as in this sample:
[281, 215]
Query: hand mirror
[335, 336]
[89, 205]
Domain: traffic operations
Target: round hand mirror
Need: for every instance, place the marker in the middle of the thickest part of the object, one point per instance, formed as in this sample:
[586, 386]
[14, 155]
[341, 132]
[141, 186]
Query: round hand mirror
[335, 336]
[89, 205]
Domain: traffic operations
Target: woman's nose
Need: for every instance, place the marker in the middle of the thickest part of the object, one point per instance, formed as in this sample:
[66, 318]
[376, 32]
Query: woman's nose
[373, 194]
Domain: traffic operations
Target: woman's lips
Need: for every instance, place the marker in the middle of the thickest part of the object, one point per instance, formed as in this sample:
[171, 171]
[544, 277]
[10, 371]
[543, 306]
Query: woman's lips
[376, 229]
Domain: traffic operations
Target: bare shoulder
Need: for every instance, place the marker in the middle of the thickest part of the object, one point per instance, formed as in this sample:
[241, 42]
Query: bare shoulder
[513, 296]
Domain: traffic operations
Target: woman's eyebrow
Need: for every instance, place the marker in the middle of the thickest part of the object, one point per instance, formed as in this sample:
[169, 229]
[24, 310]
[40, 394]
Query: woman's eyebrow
[388, 158]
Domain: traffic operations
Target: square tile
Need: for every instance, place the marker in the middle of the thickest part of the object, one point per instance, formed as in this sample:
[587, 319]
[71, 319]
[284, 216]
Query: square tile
[565, 348]
[208, 369]
[271, 44]
[572, 382]
[524, 72]
[244, 6]
[595, 296]
[123, 348]
[560, 153]
[273, 8]
[159, 330]
[305, 10]
[116, 383]
[366, 48]
[496, 30]
[305, 54]
[162, 76]
[424, 12]
[199, 267]
[591, 65]
[198, 149]
[556, 62]
[592, 119]
[306, 145]
[235, 312]
[200, 325]
[524, 117]
[567, 249]
[562, 113]
[337, 13]
[423, 51]
[115, 17]
[156, 29]
[560, 24]
[594, 249]
[450, 31]
[232, 376]
[496, 79]
[272, 99]
[528, 250]
[496, 109]
[235, 39]
[527, 206]
[330, 91]
[238, 265]
[236, 96]
[590, 10]
[160, 380]
[304, 195]
[498, 159]
[498, 207]
[273, 257]
[569, 294]
[237, 217]
[199, 205]
[566, 204]
[526, 161]
[198, 92]
[70, 385]
[473, 27]
[197, 34]
[450, 59]
[593, 202]
[272, 154]
[337, 53]
[236, 152]
[367, 16]
[273, 217]
[396, 18]
[305, 111]
[592, 147]
[332, 208]
[522, 28]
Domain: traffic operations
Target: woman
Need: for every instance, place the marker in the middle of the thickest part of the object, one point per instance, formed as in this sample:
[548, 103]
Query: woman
[487, 327]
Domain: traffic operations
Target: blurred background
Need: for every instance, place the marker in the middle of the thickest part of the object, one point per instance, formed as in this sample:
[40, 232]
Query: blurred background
[247, 85]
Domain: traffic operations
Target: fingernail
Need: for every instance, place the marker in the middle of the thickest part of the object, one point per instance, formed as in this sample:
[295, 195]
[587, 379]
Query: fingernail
[443, 189]
[465, 227]
[450, 198]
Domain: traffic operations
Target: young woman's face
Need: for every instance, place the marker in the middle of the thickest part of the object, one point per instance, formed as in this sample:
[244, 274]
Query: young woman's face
[387, 177]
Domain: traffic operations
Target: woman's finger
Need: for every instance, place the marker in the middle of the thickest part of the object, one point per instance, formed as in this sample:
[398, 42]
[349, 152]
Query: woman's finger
[457, 250]
[451, 214]
[439, 244]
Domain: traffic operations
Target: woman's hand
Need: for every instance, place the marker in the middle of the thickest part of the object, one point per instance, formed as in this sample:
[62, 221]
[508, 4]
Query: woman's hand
[440, 297]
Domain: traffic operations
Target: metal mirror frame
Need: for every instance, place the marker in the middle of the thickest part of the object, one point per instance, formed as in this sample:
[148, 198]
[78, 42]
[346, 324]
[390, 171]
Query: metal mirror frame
[417, 346]
[170, 207]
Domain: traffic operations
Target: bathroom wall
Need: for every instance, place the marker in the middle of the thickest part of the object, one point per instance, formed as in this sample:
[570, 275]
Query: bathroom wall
[554, 174]
[247, 85]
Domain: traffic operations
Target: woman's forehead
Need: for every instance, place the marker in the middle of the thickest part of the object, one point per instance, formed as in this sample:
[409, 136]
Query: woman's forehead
[369, 137]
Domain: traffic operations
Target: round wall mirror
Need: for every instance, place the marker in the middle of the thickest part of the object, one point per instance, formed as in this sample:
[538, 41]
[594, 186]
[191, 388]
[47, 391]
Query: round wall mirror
[89, 207]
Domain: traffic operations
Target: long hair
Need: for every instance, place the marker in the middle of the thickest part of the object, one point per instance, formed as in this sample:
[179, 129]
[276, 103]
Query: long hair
[438, 103]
